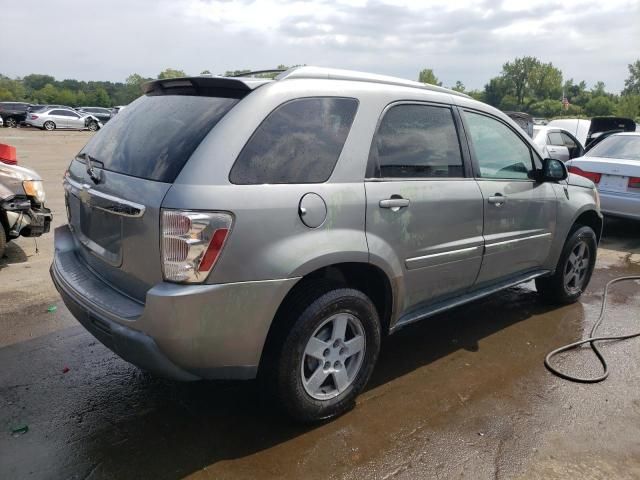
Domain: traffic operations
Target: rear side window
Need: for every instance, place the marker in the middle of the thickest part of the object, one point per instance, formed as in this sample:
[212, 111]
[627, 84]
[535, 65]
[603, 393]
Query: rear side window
[416, 141]
[299, 142]
[155, 135]
[555, 139]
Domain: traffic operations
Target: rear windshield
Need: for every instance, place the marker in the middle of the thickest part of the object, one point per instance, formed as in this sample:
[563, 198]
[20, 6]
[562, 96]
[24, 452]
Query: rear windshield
[626, 147]
[155, 135]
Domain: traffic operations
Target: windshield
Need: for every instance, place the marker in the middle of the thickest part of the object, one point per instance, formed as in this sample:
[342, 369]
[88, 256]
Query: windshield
[626, 147]
[155, 136]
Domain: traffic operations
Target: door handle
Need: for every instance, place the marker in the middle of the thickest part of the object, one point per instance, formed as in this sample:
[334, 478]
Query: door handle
[394, 203]
[498, 199]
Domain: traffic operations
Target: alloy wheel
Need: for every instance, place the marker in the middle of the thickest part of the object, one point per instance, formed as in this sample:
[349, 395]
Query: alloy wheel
[333, 356]
[576, 267]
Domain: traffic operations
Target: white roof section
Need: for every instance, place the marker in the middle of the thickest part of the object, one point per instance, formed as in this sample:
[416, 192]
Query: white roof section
[309, 72]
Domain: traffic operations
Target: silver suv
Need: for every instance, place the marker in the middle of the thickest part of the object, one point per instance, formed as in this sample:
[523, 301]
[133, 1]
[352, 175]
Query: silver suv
[239, 228]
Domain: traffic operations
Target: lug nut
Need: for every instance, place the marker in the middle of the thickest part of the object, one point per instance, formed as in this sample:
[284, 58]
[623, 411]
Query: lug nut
[336, 344]
[343, 351]
[336, 365]
[327, 365]
[326, 352]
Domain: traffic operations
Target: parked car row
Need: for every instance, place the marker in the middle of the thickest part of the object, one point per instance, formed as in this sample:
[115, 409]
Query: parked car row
[606, 150]
[51, 117]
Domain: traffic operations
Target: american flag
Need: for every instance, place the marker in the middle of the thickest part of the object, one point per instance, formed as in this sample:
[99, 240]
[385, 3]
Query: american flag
[565, 101]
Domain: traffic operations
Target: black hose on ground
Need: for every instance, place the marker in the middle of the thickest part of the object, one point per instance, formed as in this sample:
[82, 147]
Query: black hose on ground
[591, 341]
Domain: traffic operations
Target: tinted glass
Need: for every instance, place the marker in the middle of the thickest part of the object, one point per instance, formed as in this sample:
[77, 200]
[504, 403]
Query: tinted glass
[500, 153]
[57, 112]
[626, 147]
[416, 141]
[155, 135]
[299, 142]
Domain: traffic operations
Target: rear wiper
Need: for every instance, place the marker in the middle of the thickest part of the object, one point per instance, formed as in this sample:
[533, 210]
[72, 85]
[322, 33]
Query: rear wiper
[90, 170]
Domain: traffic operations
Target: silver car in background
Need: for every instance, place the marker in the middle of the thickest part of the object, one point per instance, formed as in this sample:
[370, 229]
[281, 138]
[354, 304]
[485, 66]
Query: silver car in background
[63, 119]
[614, 166]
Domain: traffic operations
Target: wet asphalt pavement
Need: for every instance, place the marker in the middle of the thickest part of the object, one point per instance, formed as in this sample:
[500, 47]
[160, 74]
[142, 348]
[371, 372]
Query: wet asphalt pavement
[462, 395]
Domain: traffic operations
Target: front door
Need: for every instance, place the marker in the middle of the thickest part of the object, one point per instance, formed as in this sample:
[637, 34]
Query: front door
[75, 121]
[519, 212]
[423, 213]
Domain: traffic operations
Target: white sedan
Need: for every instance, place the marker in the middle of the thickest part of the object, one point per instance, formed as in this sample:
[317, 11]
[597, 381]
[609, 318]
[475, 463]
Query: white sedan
[614, 166]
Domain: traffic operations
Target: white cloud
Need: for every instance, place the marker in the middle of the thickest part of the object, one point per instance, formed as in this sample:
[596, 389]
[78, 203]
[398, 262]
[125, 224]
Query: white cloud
[465, 40]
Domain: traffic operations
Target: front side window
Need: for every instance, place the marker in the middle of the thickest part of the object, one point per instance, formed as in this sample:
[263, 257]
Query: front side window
[299, 142]
[416, 141]
[499, 152]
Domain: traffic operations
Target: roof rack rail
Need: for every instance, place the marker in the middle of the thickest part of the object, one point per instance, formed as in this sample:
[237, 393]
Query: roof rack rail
[257, 72]
[339, 74]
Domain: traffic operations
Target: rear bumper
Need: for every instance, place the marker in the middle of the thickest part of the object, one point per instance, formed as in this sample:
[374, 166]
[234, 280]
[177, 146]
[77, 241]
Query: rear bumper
[183, 332]
[623, 205]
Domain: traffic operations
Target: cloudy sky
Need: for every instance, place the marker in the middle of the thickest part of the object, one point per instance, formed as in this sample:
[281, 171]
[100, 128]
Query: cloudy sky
[465, 40]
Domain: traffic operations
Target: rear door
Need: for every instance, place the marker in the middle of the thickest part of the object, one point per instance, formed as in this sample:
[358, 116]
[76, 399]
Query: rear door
[422, 207]
[59, 118]
[116, 184]
[519, 213]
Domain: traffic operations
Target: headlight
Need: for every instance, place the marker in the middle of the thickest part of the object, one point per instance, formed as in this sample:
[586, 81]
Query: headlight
[34, 188]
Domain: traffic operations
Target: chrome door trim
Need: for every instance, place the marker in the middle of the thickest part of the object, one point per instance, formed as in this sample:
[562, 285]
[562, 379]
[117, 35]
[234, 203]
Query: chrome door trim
[489, 246]
[103, 201]
[443, 257]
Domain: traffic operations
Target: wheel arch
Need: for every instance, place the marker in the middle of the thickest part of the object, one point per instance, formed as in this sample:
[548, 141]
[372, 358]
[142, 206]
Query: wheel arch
[366, 277]
[589, 218]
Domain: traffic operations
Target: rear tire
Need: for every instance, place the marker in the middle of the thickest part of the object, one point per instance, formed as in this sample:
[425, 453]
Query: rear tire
[324, 354]
[49, 125]
[574, 268]
[11, 122]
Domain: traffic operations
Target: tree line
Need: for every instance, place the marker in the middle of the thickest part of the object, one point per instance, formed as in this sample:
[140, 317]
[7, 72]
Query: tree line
[524, 84]
[528, 85]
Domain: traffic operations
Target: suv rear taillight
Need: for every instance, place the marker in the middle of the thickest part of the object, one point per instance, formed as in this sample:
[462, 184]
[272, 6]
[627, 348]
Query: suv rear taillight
[33, 117]
[191, 243]
[634, 182]
[593, 176]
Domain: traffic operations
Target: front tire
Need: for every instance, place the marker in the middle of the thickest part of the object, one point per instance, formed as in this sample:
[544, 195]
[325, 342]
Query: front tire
[49, 126]
[574, 268]
[325, 357]
[93, 127]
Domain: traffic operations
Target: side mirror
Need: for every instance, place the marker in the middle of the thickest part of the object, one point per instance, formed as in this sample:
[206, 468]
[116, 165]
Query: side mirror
[553, 171]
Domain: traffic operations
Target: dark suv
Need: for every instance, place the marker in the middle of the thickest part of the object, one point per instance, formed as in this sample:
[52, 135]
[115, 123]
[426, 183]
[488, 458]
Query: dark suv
[13, 113]
[101, 113]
